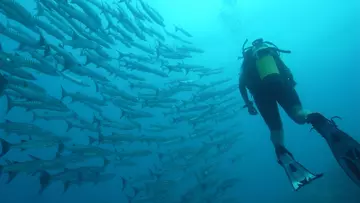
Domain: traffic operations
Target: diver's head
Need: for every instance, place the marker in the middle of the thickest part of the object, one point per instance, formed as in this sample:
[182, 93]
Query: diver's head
[258, 42]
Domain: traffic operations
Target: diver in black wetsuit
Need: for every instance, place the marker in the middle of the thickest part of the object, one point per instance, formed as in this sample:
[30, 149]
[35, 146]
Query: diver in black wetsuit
[271, 83]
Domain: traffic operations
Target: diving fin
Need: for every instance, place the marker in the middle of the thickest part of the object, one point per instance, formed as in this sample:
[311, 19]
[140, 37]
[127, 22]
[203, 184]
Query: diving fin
[345, 149]
[298, 175]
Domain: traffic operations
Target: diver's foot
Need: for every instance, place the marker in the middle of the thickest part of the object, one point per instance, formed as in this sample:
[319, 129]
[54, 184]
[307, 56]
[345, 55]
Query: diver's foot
[298, 175]
[316, 119]
[280, 151]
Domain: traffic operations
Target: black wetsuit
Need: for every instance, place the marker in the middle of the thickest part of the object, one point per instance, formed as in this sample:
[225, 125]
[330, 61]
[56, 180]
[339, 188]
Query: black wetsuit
[272, 90]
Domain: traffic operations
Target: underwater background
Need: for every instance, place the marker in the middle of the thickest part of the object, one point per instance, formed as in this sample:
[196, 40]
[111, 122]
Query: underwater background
[230, 158]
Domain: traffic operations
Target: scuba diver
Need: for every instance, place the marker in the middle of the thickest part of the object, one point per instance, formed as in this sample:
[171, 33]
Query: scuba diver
[271, 82]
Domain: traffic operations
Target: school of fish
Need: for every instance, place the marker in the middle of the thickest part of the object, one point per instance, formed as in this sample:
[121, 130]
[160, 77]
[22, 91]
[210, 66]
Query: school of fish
[121, 56]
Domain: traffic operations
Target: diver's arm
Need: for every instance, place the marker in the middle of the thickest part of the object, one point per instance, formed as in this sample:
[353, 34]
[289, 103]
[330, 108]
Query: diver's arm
[242, 88]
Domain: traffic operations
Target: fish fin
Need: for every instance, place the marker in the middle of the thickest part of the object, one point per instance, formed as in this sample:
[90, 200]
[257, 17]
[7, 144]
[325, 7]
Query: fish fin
[75, 36]
[39, 8]
[20, 47]
[34, 157]
[8, 162]
[106, 162]
[42, 41]
[66, 186]
[47, 51]
[1, 169]
[63, 92]
[124, 183]
[87, 61]
[61, 148]
[45, 179]
[57, 155]
[91, 140]
[11, 177]
[5, 145]
[10, 104]
[121, 55]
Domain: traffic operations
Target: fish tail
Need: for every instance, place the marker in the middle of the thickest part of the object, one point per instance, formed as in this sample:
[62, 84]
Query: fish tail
[151, 172]
[123, 114]
[130, 198]
[66, 186]
[39, 8]
[106, 162]
[1, 170]
[121, 55]
[157, 51]
[92, 140]
[47, 50]
[82, 52]
[63, 92]
[124, 183]
[61, 148]
[176, 28]
[160, 155]
[6, 146]
[69, 126]
[96, 86]
[42, 41]
[87, 61]
[157, 91]
[97, 121]
[10, 105]
[11, 177]
[45, 179]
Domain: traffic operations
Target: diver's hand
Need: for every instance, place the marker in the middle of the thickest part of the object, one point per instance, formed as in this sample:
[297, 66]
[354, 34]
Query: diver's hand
[251, 109]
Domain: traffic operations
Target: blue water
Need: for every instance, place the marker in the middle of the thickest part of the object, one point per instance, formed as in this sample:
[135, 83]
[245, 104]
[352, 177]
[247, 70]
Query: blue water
[324, 39]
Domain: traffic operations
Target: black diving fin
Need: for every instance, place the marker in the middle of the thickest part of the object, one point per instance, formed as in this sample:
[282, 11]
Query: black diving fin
[298, 175]
[345, 149]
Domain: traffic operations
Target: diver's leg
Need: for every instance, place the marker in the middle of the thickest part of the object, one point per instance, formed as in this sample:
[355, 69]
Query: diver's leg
[277, 138]
[299, 114]
[289, 99]
[269, 111]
